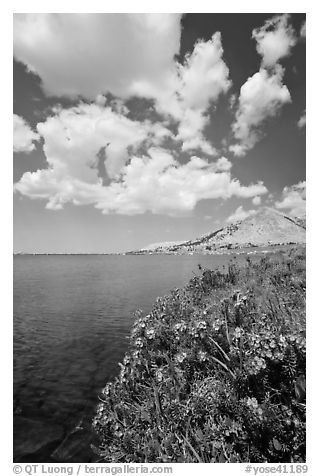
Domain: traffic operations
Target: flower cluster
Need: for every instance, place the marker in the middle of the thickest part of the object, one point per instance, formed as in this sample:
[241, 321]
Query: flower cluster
[215, 372]
[253, 406]
[255, 365]
[202, 356]
[180, 357]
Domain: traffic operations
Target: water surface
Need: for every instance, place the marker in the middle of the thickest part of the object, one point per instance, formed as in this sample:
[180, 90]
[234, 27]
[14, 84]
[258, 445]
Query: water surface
[72, 316]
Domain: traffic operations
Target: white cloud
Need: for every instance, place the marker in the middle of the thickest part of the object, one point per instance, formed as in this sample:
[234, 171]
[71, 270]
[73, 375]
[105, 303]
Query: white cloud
[303, 30]
[232, 101]
[261, 97]
[156, 183]
[294, 199]
[240, 214]
[256, 200]
[204, 74]
[87, 54]
[190, 128]
[203, 77]
[126, 55]
[223, 164]
[302, 121]
[23, 135]
[275, 39]
[73, 137]
[189, 90]
[263, 94]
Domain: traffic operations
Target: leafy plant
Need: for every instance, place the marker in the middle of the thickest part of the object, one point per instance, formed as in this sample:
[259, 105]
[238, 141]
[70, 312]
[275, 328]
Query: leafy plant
[215, 372]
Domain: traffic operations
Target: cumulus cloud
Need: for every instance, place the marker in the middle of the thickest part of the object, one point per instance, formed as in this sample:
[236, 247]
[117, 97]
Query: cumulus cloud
[190, 132]
[303, 30]
[73, 137]
[126, 55]
[261, 97]
[23, 135]
[187, 92]
[256, 200]
[275, 39]
[223, 164]
[294, 199]
[302, 121]
[263, 94]
[204, 74]
[240, 214]
[156, 182]
[202, 79]
[87, 54]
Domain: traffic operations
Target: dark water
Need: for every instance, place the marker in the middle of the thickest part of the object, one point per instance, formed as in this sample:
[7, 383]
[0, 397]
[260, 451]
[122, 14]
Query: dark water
[72, 316]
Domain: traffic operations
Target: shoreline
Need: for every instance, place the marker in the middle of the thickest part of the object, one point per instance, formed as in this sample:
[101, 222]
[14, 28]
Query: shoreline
[220, 331]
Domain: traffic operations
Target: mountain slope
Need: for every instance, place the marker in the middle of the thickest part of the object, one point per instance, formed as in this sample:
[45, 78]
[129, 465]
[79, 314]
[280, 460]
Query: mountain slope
[266, 227]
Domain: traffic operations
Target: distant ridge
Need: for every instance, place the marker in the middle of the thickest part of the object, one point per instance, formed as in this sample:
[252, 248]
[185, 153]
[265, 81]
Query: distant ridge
[266, 227]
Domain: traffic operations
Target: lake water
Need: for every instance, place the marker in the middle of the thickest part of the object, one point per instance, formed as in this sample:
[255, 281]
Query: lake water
[72, 316]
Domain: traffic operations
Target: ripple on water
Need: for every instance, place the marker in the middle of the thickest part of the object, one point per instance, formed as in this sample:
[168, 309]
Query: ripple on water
[71, 318]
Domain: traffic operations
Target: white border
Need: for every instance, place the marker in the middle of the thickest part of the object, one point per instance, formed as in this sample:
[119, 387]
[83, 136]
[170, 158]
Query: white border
[231, 6]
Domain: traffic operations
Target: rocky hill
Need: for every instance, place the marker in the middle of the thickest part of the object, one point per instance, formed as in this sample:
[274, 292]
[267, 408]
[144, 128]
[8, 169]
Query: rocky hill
[266, 227]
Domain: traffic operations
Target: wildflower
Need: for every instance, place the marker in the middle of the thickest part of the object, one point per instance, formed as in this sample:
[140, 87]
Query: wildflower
[150, 333]
[252, 402]
[193, 332]
[180, 326]
[139, 342]
[136, 354]
[202, 356]
[106, 390]
[181, 357]
[99, 408]
[261, 362]
[278, 355]
[256, 364]
[282, 340]
[159, 375]
[238, 332]
[201, 325]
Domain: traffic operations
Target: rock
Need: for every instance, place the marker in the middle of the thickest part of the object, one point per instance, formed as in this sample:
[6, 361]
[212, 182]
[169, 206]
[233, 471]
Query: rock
[31, 435]
[75, 447]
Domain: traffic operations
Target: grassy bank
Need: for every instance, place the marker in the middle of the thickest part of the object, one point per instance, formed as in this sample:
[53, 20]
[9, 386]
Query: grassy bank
[215, 372]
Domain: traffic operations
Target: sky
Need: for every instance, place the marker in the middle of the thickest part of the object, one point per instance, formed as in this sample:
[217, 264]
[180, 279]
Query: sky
[132, 129]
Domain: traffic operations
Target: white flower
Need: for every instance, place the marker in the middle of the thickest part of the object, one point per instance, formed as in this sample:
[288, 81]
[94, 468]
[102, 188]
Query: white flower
[150, 333]
[159, 375]
[139, 342]
[238, 332]
[179, 326]
[201, 325]
[252, 402]
[181, 357]
[202, 356]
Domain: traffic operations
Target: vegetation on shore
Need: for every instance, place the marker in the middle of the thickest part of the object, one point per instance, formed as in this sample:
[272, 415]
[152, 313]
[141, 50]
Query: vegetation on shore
[215, 372]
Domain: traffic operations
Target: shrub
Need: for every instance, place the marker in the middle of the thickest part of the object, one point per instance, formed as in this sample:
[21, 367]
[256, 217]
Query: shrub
[215, 372]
